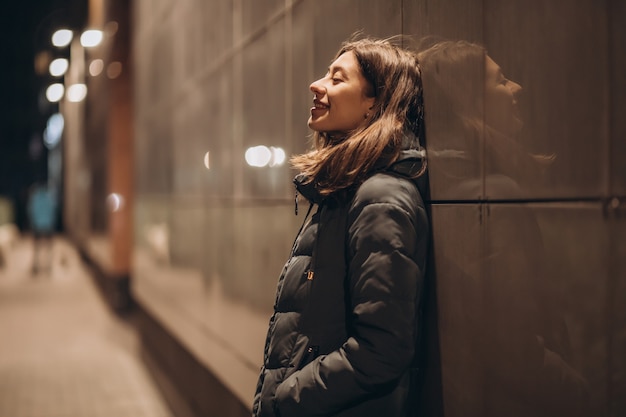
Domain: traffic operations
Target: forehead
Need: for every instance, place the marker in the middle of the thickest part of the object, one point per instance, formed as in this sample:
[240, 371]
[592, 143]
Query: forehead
[346, 62]
[491, 68]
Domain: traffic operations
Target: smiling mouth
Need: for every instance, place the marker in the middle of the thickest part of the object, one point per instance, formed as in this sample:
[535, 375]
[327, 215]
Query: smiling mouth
[318, 105]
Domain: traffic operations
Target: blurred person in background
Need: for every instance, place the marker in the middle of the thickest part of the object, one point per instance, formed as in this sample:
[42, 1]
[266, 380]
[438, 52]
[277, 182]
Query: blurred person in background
[42, 207]
[342, 339]
[505, 349]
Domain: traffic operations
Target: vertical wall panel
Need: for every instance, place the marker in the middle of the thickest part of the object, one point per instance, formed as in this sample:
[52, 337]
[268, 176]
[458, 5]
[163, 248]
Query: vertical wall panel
[459, 288]
[264, 89]
[214, 120]
[187, 247]
[617, 91]
[545, 323]
[220, 242]
[161, 74]
[557, 51]
[303, 73]
[447, 19]
[217, 32]
[151, 225]
[617, 311]
[154, 167]
[188, 145]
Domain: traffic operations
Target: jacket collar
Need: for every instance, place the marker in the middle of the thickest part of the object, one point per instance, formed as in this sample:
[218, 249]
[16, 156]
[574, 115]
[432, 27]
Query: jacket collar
[307, 189]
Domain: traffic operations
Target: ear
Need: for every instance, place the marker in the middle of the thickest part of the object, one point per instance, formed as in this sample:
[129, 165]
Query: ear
[368, 103]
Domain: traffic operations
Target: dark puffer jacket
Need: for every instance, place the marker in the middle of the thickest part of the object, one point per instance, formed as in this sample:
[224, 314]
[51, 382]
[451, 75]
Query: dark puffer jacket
[342, 339]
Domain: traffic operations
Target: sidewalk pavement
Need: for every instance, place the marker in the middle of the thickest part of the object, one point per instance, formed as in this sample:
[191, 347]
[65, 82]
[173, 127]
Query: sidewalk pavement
[63, 353]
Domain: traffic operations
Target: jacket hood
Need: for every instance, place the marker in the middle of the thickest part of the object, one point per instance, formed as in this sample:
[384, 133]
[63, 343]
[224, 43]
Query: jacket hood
[409, 163]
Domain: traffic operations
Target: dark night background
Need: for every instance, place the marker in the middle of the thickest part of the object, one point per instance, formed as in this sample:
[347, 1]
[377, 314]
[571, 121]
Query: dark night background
[27, 27]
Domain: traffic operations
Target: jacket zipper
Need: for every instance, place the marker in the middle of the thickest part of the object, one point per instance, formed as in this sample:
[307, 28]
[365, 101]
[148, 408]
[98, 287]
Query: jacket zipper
[293, 247]
[310, 273]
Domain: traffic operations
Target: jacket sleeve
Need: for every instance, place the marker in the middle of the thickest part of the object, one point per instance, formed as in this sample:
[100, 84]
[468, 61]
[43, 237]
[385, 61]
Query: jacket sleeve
[384, 285]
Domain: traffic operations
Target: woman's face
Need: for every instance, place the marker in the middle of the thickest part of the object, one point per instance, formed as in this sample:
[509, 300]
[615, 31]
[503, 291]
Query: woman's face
[501, 111]
[340, 104]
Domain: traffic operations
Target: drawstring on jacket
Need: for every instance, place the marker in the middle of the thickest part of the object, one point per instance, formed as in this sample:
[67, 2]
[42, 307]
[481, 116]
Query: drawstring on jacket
[310, 272]
[308, 190]
[293, 247]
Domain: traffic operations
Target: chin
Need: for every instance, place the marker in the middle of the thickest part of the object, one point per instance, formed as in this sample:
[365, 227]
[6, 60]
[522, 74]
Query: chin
[516, 126]
[314, 126]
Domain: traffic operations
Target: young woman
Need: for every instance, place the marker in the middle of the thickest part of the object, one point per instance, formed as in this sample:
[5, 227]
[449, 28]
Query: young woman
[342, 339]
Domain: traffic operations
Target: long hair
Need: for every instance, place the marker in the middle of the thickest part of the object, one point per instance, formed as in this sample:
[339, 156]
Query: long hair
[453, 75]
[394, 79]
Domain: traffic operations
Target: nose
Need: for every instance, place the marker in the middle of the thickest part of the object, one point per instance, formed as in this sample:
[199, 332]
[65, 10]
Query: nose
[317, 88]
[516, 89]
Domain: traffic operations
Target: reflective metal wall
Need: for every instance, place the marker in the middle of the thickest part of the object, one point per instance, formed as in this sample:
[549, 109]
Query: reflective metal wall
[527, 187]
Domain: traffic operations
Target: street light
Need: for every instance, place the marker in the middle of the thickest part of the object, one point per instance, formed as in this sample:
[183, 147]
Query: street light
[95, 67]
[58, 67]
[54, 130]
[54, 93]
[91, 38]
[62, 38]
[76, 92]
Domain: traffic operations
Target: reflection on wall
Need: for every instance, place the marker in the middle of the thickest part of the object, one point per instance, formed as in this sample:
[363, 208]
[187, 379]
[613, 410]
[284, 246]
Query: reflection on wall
[525, 192]
[506, 345]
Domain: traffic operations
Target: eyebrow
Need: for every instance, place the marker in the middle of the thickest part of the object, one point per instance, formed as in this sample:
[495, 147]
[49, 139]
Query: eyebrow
[338, 68]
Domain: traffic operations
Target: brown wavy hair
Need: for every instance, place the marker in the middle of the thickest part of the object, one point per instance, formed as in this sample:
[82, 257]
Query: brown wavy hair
[394, 77]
